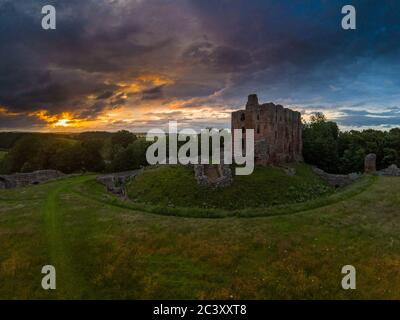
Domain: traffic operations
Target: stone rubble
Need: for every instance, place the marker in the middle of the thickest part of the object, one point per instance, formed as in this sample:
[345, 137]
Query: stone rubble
[115, 182]
[336, 180]
[18, 180]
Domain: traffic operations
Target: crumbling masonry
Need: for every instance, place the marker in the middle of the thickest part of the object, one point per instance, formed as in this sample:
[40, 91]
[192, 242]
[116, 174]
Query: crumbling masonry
[277, 131]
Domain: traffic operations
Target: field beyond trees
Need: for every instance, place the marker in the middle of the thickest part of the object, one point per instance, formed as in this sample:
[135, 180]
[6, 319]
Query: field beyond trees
[102, 249]
[176, 186]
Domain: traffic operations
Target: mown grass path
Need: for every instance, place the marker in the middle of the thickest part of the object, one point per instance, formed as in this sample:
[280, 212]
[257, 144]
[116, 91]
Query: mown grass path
[70, 280]
[104, 249]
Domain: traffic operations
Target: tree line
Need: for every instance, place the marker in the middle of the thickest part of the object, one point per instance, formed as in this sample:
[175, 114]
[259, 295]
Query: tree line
[86, 152]
[324, 146]
[335, 151]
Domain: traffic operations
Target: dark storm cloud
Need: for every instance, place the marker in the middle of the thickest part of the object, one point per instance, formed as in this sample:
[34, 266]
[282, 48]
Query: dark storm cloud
[94, 45]
[283, 50]
[19, 122]
[153, 93]
[303, 33]
[187, 89]
[105, 95]
[360, 118]
[299, 49]
[54, 89]
[220, 58]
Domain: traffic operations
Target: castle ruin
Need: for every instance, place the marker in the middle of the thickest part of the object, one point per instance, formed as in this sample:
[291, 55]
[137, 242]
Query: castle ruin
[277, 131]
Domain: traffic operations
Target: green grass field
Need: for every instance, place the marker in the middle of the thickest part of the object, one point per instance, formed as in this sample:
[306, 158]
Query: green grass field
[2, 154]
[104, 248]
[176, 186]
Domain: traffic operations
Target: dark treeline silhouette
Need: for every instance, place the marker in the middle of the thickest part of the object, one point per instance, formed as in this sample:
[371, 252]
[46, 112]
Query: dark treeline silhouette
[69, 153]
[324, 146]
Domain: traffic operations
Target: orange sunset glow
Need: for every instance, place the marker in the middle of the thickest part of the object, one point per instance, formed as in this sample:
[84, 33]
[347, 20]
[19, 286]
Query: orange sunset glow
[111, 71]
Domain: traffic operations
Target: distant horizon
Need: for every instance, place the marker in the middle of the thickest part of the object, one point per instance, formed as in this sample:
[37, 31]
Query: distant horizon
[182, 125]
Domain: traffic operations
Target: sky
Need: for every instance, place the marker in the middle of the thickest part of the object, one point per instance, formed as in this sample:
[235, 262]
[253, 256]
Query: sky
[136, 64]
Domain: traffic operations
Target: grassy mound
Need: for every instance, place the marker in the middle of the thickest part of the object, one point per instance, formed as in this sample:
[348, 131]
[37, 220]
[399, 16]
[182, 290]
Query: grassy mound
[175, 186]
[93, 190]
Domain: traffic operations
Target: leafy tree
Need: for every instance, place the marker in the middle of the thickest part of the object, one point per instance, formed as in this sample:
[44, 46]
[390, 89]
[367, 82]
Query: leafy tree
[320, 143]
[24, 150]
[352, 160]
[91, 155]
[344, 152]
[133, 157]
[67, 158]
[390, 156]
[123, 138]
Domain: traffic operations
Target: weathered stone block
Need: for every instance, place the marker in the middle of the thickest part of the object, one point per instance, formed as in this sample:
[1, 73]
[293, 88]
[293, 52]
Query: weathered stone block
[370, 163]
[336, 180]
[391, 171]
[18, 180]
[115, 182]
[213, 175]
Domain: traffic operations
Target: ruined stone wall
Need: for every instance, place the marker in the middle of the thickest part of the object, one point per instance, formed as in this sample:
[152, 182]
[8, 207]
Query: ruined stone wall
[213, 175]
[277, 131]
[336, 180]
[391, 171]
[115, 182]
[18, 180]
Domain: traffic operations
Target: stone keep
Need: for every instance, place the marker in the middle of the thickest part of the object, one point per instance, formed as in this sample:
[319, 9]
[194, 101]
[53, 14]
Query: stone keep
[277, 131]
